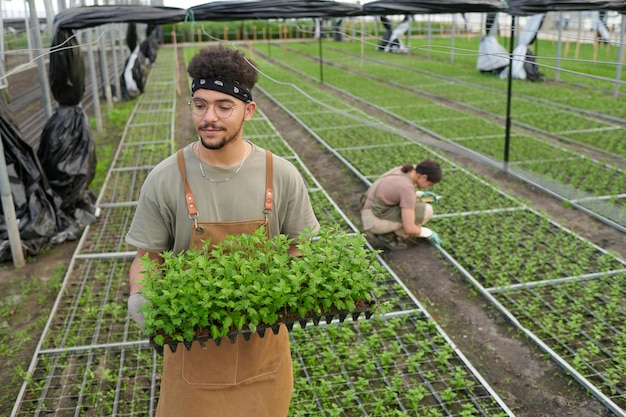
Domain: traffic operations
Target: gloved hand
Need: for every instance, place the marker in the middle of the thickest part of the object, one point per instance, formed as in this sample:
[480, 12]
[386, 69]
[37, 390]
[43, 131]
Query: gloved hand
[431, 235]
[428, 197]
[135, 301]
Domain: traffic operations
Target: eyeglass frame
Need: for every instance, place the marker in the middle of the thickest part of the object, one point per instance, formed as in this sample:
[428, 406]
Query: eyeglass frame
[208, 106]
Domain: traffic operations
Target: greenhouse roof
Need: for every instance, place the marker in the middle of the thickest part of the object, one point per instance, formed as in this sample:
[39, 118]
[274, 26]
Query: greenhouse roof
[88, 16]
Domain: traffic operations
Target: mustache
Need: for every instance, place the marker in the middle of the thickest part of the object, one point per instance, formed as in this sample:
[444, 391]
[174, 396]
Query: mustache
[210, 126]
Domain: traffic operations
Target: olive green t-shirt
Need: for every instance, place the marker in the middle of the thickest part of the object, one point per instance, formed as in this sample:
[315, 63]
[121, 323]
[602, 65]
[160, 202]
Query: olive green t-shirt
[162, 222]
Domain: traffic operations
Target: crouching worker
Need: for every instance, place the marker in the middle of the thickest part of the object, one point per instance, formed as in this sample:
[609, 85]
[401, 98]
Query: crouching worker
[394, 212]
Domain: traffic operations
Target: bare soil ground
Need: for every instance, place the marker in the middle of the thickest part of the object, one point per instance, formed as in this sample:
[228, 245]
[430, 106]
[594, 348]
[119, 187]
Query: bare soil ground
[530, 384]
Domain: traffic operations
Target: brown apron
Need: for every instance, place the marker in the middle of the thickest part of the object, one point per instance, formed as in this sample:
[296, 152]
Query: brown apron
[247, 378]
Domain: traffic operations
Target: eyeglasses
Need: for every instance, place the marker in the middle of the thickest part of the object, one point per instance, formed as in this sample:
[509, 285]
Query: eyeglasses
[199, 107]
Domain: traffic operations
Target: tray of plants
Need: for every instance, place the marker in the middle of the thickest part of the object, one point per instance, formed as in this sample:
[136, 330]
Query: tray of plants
[250, 284]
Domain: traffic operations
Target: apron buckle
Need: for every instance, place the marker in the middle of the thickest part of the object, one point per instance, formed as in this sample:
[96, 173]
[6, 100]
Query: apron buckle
[198, 229]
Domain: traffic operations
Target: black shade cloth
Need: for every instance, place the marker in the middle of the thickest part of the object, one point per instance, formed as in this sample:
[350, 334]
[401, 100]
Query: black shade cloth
[90, 16]
[272, 9]
[525, 7]
[391, 7]
[67, 70]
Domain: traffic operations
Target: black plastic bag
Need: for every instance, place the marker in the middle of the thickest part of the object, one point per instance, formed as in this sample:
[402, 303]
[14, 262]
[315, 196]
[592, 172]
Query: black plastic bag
[33, 202]
[67, 69]
[67, 154]
[133, 79]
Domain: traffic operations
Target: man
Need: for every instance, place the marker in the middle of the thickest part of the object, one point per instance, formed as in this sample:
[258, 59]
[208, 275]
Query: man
[394, 211]
[217, 186]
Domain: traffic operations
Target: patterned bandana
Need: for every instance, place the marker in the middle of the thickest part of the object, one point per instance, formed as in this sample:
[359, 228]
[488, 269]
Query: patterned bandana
[218, 84]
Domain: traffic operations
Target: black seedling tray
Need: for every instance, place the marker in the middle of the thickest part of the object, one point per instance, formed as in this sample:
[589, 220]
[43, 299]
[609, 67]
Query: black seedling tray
[366, 312]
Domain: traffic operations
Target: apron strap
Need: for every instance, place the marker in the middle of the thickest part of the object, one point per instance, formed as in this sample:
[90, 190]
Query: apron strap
[269, 177]
[269, 181]
[189, 198]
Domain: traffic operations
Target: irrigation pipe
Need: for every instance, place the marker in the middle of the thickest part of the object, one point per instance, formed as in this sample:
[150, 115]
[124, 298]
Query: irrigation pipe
[556, 281]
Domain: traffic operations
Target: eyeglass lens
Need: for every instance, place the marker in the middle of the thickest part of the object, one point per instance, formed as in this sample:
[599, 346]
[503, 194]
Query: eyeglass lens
[200, 107]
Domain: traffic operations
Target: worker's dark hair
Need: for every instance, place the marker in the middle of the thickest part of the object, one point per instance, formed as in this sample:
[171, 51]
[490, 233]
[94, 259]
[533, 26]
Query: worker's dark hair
[220, 62]
[431, 169]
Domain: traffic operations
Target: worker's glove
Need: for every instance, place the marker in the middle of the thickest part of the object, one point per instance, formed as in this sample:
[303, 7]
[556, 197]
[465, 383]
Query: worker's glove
[135, 301]
[427, 197]
[431, 235]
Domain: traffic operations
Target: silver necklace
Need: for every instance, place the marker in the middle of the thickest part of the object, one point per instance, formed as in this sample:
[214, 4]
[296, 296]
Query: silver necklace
[226, 179]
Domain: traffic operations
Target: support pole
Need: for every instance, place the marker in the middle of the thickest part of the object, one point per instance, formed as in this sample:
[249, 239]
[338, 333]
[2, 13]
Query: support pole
[557, 70]
[94, 82]
[41, 66]
[507, 134]
[3, 82]
[321, 58]
[9, 212]
[620, 58]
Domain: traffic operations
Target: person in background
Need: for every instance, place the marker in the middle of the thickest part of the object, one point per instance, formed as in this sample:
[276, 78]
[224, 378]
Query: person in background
[216, 186]
[393, 211]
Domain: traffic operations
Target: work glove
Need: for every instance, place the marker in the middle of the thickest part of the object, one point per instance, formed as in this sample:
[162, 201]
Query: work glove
[427, 197]
[135, 301]
[431, 235]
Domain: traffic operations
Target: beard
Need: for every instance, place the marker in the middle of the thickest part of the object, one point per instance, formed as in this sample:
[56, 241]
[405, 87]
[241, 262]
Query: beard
[219, 144]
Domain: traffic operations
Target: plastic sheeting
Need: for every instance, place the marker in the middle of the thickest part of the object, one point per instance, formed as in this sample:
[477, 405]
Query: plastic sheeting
[391, 40]
[527, 7]
[272, 9]
[133, 79]
[67, 155]
[34, 202]
[67, 70]
[391, 7]
[90, 16]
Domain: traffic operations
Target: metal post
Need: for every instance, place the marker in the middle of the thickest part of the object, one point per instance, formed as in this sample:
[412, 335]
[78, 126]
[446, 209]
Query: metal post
[9, 212]
[321, 58]
[452, 31]
[41, 66]
[428, 36]
[3, 83]
[507, 135]
[116, 66]
[620, 58]
[104, 65]
[27, 31]
[94, 82]
[49, 16]
[123, 48]
[558, 47]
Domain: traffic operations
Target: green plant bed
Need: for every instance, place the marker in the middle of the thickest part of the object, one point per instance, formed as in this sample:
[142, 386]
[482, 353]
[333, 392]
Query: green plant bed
[249, 284]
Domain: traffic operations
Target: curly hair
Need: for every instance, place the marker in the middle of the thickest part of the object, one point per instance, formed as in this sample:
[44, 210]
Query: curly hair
[229, 64]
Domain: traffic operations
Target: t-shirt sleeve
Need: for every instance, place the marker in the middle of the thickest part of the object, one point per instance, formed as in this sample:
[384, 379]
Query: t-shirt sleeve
[407, 195]
[152, 227]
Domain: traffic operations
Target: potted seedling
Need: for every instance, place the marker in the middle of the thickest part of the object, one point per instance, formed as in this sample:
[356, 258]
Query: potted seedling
[249, 283]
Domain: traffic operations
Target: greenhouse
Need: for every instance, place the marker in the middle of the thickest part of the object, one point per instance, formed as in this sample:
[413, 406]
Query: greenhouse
[520, 311]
